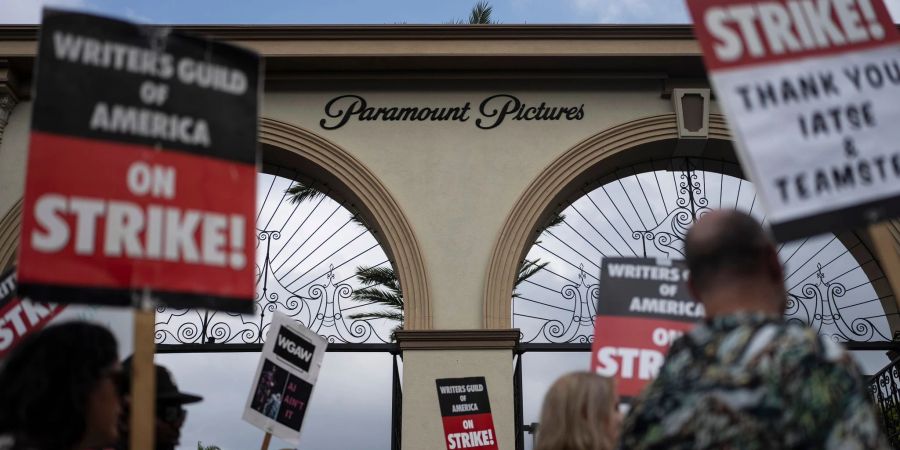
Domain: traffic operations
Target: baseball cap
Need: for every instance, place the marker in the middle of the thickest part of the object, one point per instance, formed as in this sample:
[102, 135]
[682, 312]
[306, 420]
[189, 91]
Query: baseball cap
[166, 389]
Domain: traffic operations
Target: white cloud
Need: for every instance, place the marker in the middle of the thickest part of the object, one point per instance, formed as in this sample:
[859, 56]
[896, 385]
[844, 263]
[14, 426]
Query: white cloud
[632, 11]
[29, 11]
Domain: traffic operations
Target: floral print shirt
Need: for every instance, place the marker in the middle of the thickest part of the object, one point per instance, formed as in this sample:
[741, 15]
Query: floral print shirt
[748, 381]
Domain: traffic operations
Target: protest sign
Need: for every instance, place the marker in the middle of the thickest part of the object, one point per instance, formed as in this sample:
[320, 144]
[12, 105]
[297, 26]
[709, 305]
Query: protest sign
[466, 413]
[811, 90]
[643, 306]
[141, 168]
[20, 317]
[287, 371]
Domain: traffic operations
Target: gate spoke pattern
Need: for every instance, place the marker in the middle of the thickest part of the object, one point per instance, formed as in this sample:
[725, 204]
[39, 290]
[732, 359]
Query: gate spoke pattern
[307, 256]
[645, 210]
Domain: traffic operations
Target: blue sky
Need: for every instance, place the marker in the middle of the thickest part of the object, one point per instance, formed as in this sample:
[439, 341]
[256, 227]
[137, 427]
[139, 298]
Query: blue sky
[365, 11]
[359, 11]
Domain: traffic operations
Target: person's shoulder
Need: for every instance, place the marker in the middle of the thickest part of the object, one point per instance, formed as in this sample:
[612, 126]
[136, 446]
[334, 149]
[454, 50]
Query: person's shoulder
[798, 342]
[805, 360]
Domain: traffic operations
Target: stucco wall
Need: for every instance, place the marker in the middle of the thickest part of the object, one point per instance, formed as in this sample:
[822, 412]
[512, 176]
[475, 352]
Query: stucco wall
[13, 152]
[422, 425]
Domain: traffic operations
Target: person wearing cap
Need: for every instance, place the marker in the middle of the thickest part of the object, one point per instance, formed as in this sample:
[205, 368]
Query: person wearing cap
[170, 412]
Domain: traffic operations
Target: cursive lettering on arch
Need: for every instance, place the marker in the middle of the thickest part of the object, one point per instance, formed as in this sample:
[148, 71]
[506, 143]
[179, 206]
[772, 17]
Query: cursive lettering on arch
[492, 112]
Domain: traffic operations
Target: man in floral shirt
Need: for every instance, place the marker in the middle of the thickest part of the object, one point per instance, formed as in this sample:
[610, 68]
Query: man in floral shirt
[746, 379]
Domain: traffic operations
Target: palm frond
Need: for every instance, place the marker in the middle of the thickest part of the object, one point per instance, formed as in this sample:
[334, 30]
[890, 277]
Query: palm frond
[555, 220]
[389, 315]
[375, 275]
[300, 192]
[355, 218]
[481, 13]
[378, 295]
[529, 268]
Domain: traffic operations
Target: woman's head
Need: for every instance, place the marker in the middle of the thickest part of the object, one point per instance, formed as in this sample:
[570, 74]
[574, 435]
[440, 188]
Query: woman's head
[58, 388]
[579, 413]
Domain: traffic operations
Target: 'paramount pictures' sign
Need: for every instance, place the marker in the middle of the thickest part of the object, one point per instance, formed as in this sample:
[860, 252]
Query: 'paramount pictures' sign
[492, 112]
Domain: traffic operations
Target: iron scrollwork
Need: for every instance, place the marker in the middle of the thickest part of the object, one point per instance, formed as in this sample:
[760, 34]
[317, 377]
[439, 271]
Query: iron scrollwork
[320, 304]
[884, 387]
[557, 314]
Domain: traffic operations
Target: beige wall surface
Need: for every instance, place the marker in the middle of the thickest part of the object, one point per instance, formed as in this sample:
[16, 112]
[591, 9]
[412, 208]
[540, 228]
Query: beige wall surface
[456, 183]
[422, 425]
[13, 152]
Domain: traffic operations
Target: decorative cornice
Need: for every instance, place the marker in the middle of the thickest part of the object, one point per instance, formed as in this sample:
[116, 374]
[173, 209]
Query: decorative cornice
[458, 339]
[439, 52]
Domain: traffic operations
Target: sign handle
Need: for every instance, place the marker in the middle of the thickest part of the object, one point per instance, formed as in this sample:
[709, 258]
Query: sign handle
[887, 255]
[265, 443]
[143, 376]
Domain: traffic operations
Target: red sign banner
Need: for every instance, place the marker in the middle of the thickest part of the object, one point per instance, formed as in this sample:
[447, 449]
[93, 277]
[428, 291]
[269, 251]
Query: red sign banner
[643, 307]
[466, 414]
[141, 169]
[20, 317]
[740, 33]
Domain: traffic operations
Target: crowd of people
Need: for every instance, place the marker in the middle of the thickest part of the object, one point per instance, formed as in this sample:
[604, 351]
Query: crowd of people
[742, 379]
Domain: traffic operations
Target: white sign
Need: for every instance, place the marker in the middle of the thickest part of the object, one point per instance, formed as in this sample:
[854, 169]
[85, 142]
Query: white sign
[287, 372]
[811, 89]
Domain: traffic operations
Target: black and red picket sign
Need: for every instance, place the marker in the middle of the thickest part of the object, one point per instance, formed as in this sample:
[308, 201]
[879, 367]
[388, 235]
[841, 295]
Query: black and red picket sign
[142, 167]
[466, 413]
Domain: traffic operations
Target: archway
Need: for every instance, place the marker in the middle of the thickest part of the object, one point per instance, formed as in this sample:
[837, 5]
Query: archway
[291, 146]
[630, 145]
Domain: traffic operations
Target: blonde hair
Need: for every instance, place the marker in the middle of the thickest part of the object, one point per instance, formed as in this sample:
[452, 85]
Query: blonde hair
[579, 413]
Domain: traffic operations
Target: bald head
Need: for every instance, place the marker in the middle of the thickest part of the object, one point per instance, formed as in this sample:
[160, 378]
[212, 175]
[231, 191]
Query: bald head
[724, 246]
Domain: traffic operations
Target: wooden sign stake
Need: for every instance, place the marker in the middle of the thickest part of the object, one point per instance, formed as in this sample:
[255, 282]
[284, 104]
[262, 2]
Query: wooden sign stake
[143, 376]
[266, 439]
[887, 256]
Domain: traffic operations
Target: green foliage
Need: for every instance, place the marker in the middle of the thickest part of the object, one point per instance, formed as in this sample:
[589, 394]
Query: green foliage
[480, 15]
[380, 286]
[300, 192]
